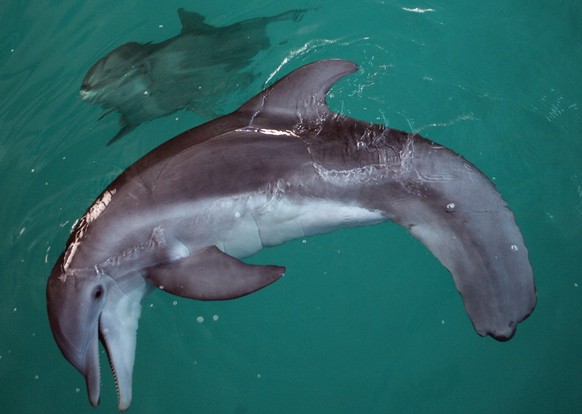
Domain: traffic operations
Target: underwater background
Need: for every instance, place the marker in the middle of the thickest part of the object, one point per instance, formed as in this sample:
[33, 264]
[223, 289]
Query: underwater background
[366, 319]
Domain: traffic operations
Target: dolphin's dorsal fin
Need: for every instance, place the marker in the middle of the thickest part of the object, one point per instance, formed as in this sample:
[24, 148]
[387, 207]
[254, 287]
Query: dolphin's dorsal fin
[299, 95]
[193, 23]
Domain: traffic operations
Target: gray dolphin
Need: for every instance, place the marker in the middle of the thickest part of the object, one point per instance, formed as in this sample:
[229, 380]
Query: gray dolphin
[144, 81]
[282, 166]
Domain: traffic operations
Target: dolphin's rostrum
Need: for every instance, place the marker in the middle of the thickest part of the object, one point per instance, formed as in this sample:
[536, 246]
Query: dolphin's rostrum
[282, 166]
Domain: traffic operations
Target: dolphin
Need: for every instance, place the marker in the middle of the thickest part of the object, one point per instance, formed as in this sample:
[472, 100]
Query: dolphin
[144, 81]
[282, 166]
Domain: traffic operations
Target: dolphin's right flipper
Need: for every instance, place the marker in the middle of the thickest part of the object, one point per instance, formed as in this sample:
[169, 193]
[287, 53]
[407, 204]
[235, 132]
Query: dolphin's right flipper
[210, 274]
[125, 128]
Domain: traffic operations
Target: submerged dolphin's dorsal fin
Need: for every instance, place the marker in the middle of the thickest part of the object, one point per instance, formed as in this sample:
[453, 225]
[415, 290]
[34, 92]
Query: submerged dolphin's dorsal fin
[193, 23]
[299, 95]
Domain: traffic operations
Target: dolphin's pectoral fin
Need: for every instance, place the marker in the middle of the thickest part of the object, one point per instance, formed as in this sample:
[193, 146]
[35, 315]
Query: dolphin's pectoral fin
[104, 114]
[210, 274]
[125, 125]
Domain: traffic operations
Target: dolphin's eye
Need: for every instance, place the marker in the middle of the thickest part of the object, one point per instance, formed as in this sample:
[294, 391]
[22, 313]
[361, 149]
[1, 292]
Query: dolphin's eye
[98, 292]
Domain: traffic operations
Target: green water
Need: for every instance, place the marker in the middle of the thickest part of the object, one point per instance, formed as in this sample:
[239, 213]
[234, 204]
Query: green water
[366, 320]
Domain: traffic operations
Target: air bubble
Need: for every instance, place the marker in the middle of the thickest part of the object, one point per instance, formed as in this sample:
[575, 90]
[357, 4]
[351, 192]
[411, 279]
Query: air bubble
[451, 207]
[514, 247]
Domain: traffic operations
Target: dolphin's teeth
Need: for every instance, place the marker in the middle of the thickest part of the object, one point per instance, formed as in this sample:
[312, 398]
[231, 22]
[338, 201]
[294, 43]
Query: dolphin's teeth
[114, 376]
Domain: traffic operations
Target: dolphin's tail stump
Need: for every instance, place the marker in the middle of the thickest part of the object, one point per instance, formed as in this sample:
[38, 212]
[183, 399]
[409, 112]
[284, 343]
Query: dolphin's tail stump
[456, 211]
[443, 200]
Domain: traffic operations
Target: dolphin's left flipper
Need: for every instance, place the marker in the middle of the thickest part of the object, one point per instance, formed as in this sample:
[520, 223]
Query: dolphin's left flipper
[210, 274]
[125, 125]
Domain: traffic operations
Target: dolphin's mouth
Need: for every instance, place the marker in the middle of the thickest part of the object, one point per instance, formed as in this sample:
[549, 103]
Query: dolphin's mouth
[93, 375]
[114, 372]
[122, 405]
[118, 338]
[88, 94]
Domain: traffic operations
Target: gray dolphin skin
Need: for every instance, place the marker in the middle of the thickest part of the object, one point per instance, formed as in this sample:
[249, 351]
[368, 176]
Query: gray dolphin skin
[144, 81]
[282, 166]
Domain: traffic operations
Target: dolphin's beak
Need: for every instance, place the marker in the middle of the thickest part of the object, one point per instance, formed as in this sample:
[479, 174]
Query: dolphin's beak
[81, 348]
[118, 331]
[83, 309]
[92, 373]
[121, 358]
[74, 323]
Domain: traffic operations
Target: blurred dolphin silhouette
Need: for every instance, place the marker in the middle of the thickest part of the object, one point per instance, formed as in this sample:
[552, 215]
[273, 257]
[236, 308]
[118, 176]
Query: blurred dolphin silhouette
[144, 81]
[282, 166]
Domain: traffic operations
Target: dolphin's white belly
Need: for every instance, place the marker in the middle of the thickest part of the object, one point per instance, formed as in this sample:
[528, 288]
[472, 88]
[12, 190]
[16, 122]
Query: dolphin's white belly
[241, 226]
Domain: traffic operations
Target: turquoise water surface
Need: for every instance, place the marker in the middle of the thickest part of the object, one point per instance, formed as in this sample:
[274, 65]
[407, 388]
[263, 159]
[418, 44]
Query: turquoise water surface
[366, 320]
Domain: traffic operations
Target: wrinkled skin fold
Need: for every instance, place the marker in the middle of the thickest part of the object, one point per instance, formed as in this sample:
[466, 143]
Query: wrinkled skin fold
[282, 166]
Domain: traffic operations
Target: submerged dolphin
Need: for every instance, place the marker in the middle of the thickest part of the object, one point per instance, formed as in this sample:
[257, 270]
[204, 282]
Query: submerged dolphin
[280, 167]
[144, 81]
